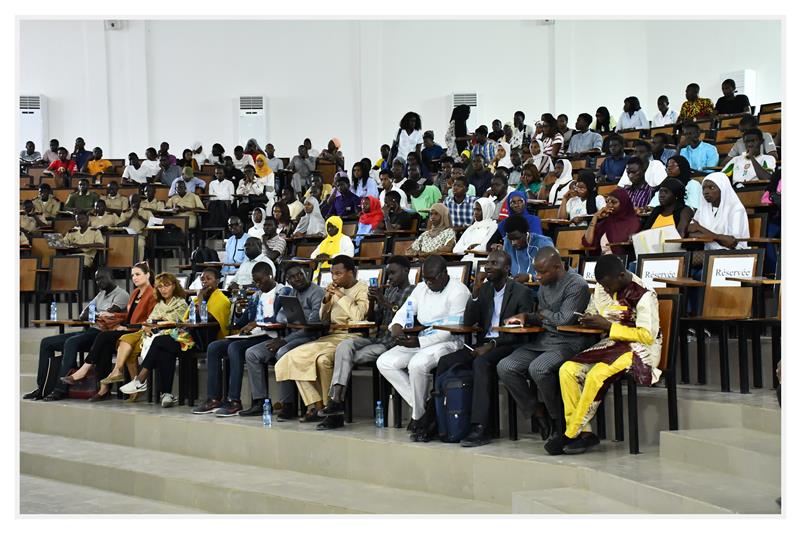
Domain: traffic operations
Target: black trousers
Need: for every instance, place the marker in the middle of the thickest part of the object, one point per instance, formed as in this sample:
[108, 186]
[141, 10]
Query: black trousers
[103, 350]
[162, 356]
[484, 370]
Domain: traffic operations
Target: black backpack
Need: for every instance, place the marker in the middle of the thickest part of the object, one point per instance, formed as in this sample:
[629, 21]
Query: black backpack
[203, 254]
[171, 235]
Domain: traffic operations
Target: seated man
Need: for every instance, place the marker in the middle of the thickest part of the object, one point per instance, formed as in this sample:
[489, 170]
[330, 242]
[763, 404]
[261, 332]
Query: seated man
[185, 202]
[260, 307]
[96, 165]
[253, 256]
[82, 200]
[494, 302]
[343, 202]
[150, 202]
[29, 221]
[290, 199]
[136, 218]
[63, 167]
[115, 202]
[639, 191]
[102, 219]
[653, 169]
[310, 297]
[561, 294]
[407, 366]
[135, 172]
[699, 154]
[167, 172]
[274, 244]
[234, 246]
[614, 164]
[395, 217]
[752, 164]
[311, 365]
[85, 238]
[420, 196]
[29, 155]
[362, 350]
[460, 204]
[110, 299]
[46, 205]
[522, 245]
[192, 183]
[749, 122]
[624, 308]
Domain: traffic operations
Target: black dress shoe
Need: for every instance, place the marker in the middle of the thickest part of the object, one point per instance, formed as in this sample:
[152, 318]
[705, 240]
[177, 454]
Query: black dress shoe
[478, 436]
[257, 409]
[311, 416]
[331, 422]
[33, 395]
[581, 444]
[545, 426]
[412, 425]
[555, 446]
[287, 412]
[100, 398]
[54, 396]
[333, 408]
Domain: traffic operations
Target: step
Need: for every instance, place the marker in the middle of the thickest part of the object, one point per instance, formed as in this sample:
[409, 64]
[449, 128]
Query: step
[27, 382]
[28, 363]
[222, 487]
[386, 457]
[568, 500]
[45, 496]
[742, 452]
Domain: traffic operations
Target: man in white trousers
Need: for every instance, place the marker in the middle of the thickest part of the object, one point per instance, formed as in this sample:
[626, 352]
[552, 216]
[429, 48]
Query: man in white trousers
[440, 300]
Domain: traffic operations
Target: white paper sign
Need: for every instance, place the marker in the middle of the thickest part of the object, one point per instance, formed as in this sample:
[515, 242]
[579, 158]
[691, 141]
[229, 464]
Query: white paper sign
[659, 268]
[196, 284]
[154, 221]
[368, 273]
[412, 275]
[456, 272]
[731, 267]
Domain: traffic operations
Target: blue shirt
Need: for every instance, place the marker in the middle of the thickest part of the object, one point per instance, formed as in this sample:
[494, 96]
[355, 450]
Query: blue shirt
[428, 155]
[487, 150]
[666, 154]
[81, 157]
[234, 252]
[344, 204]
[522, 260]
[703, 156]
[191, 186]
[460, 214]
[613, 167]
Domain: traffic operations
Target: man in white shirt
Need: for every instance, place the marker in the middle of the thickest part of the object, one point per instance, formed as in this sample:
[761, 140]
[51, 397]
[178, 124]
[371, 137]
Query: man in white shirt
[654, 171]
[388, 185]
[439, 300]
[136, 171]
[253, 255]
[220, 189]
[241, 159]
[665, 115]
[312, 152]
[751, 165]
[151, 163]
[275, 163]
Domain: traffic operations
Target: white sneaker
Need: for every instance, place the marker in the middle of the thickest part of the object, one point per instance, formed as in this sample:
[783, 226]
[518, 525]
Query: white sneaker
[168, 400]
[133, 387]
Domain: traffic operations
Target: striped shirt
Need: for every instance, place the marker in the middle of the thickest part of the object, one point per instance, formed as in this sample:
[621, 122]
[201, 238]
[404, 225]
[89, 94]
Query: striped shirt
[641, 195]
[487, 150]
[460, 214]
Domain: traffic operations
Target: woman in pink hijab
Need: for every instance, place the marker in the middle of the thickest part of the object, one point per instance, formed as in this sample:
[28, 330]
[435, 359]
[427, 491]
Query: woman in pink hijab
[332, 154]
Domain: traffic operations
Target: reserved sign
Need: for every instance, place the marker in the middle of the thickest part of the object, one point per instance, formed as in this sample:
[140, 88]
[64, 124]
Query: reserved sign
[659, 268]
[731, 267]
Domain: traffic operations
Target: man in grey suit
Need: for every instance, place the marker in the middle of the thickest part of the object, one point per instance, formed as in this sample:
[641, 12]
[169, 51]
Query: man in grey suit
[494, 301]
[563, 295]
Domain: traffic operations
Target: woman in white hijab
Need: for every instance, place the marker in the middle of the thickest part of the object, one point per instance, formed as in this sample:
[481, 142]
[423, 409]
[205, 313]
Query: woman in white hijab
[561, 185]
[720, 215]
[476, 236]
[257, 216]
[503, 157]
[538, 158]
[312, 222]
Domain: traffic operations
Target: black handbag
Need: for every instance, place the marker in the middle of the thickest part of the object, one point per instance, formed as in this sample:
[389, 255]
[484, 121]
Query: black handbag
[171, 235]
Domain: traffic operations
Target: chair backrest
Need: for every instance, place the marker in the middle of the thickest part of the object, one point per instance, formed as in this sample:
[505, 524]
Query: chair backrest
[460, 270]
[324, 278]
[730, 122]
[631, 134]
[63, 224]
[667, 265]
[578, 164]
[372, 248]
[668, 317]
[750, 196]
[27, 194]
[349, 228]
[770, 127]
[772, 106]
[758, 224]
[723, 147]
[181, 222]
[598, 162]
[42, 251]
[725, 134]
[123, 250]
[723, 298]
[547, 212]
[66, 273]
[568, 242]
[587, 265]
[60, 194]
[304, 249]
[327, 170]
[605, 190]
[771, 116]
[414, 274]
[162, 193]
[27, 273]
[367, 273]
[401, 245]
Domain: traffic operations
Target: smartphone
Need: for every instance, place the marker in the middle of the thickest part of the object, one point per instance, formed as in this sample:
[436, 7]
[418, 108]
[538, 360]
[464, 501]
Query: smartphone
[373, 282]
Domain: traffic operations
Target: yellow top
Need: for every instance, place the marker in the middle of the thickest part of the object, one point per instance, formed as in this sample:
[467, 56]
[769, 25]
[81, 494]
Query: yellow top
[663, 222]
[97, 166]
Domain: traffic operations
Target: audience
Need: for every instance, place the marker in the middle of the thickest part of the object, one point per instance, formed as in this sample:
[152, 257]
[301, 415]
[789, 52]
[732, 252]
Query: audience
[581, 201]
[633, 116]
[83, 199]
[695, 107]
[241, 160]
[671, 209]
[721, 215]
[678, 167]
[483, 146]
[752, 164]
[96, 166]
[135, 171]
[700, 155]
[167, 173]
[409, 137]
[371, 219]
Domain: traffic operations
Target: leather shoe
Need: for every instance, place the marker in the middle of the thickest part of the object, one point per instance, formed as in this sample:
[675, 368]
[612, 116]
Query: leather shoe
[581, 444]
[257, 409]
[98, 398]
[555, 446]
[331, 422]
[478, 436]
[545, 426]
[333, 408]
[33, 395]
[287, 412]
[54, 396]
[311, 416]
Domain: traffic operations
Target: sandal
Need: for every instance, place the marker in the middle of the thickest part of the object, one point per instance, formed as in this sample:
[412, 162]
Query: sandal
[112, 379]
[132, 398]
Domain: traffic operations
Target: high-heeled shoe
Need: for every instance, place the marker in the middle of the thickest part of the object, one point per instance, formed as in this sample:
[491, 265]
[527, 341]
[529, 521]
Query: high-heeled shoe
[112, 379]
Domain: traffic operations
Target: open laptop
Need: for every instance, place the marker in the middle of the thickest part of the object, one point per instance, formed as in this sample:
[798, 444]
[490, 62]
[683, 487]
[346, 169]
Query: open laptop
[293, 309]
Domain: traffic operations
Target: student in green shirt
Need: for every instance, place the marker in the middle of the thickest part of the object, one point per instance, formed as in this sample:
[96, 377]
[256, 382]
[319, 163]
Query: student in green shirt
[82, 200]
[421, 197]
[530, 182]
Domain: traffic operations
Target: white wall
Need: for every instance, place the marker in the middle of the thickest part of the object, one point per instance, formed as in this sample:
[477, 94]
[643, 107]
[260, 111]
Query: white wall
[179, 80]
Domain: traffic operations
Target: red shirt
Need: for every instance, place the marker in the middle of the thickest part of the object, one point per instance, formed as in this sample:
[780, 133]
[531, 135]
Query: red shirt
[58, 167]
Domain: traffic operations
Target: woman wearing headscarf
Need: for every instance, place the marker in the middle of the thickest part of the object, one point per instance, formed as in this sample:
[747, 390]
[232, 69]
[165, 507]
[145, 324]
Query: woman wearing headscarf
[563, 169]
[253, 149]
[439, 237]
[615, 223]
[581, 201]
[502, 157]
[517, 204]
[678, 167]
[721, 215]
[370, 220]
[363, 184]
[336, 243]
[257, 216]
[538, 158]
[670, 211]
[456, 137]
[311, 223]
[476, 236]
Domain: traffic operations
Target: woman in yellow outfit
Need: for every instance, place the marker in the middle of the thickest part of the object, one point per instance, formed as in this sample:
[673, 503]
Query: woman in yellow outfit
[336, 243]
[627, 312]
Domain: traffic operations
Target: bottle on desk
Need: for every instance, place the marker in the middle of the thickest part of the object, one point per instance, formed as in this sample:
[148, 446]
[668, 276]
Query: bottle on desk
[409, 315]
[203, 311]
[192, 314]
[92, 315]
[53, 310]
[259, 312]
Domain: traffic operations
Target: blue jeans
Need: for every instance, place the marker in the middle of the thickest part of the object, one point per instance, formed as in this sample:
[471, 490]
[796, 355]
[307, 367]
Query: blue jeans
[234, 350]
[69, 344]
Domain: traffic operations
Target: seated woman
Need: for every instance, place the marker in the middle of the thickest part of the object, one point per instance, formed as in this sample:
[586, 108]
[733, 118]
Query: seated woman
[257, 216]
[678, 167]
[581, 201]
[140, 305]
[563, 173]
[613, 224]
[476, 237]
[336, 243]
[363, 184]
[266, 177]
[721, 216]
[168, 344]
[283, 219]
[517, 204]
[539, 159]
[371, 219]
[170, 307]
[530, 182]
[311, 223]
[438, 238]
[671, 211]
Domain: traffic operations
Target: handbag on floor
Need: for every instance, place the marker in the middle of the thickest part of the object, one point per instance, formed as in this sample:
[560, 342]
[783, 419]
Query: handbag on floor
[85, 388]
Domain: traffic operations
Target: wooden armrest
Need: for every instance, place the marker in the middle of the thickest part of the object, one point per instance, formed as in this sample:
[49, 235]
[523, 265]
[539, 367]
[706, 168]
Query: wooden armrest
[459, 329]
[309, 327]
[518, 330]
[271, 325]
[360, 258]
[761, 240]
[756, 281]
[353, 327]
[680, 282]
[689, 240]
[580, 329]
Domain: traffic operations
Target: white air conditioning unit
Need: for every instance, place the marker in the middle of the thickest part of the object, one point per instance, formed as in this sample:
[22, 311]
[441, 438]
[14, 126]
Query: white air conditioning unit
[33, 121]
[252, 119]
[470, 99]
[745, 82]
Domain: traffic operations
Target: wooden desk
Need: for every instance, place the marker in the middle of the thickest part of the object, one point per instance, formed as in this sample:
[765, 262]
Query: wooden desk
[61, 324]
[518, 331]
[357, 326]
[459, 330]
[755, 282]
[681, 282]
[580, 329]
[690, 240]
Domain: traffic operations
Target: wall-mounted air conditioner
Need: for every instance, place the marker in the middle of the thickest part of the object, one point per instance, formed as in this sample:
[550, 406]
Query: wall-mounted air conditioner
[470, 99]
[33, 121]
[252, 119]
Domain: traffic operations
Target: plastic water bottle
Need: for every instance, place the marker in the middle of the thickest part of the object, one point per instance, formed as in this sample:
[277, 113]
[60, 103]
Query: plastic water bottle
[259, 312]
[378, 414]
[409, 315]
[53, 310]
[92, 311]
[203, 312]
[266, 416]
[192, 313]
